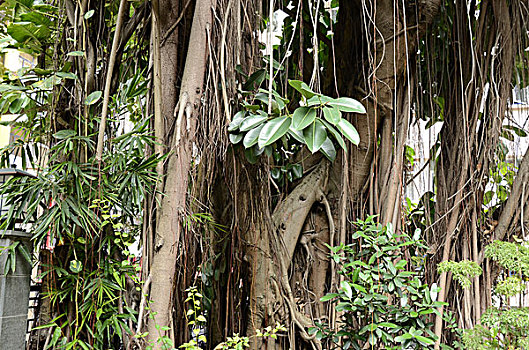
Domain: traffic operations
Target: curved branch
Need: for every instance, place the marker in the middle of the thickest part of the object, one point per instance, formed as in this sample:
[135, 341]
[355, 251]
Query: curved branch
[289, 216]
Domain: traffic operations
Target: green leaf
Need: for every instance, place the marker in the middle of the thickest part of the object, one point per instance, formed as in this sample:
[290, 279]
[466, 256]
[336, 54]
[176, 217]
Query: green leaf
[75, 53]
[349, 131]
[252, 136]
[236, 138]
[296, 134]
[93, 98]
[88, 14]
[255, 80]
[302, 87]
[66, 75]
[346, 287]
[252, 121]
[16, 106]
[25, 254]
[328, 297]
[76, 266]
[63, 134]
[273, 130]
[359, 288]
[424, 340]
[403, 338]
[315, 136]
[328, 149]
[332, 115]
[236, 121]
[319, 100]
[388, 325]
[303, 117]
[347, 104]
[337, 136]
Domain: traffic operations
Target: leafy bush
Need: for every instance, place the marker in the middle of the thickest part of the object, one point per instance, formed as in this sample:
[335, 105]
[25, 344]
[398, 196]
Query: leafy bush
[508, 327]
[382, 298]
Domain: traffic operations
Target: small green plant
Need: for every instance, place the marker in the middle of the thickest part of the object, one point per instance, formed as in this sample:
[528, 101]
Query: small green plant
[197, 323]
[504, 327]
[237, 342]
[382, 298]
[462, 271]
[12, 251]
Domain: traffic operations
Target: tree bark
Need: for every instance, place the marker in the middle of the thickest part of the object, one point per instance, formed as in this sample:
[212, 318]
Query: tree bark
[172, 207]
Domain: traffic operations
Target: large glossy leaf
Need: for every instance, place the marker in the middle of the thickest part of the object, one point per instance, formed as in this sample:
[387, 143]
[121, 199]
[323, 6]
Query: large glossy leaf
[296, 134]
[332, 115]
[347, 104]
[236, 138]
[273, 130]
[236, 121]
[303, 117]
[349, 131]
[252, 136]
[337, 136]
[252, 121]
[315, 136]
[318, 100]
[302, 87]
[328, 149]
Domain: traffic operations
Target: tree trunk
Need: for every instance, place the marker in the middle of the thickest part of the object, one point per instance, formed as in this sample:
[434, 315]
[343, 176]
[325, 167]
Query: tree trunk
[172, 207]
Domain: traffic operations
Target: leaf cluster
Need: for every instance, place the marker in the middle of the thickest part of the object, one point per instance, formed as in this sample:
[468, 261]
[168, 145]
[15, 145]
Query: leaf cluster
[383, 300]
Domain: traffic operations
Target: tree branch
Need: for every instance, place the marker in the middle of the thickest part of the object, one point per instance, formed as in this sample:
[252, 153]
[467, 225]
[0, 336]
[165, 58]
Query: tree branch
[106, 96]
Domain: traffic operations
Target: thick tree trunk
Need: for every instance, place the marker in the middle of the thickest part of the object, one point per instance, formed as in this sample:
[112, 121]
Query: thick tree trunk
[172, 207]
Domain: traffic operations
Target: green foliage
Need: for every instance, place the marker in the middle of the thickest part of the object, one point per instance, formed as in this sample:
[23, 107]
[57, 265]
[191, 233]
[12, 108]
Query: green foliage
[12, 251]
[237, 342]
[508, 327]
[510, 286]
[510, 256]
[317, 123]
[197, 323]
[501, 329]
[382, 297]
[462, 271]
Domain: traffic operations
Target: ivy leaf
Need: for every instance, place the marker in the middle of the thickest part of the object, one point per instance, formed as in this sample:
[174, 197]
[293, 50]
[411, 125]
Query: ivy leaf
[315, 136]
[303, 88]
[252, 121]
[273, 130]
[303, 117]
[349, 131]
[252, 136]
[93, 98]
[347, 104]
[328, 149]
[332, 115]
